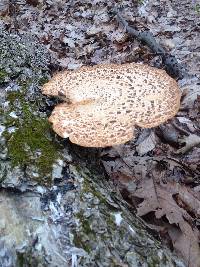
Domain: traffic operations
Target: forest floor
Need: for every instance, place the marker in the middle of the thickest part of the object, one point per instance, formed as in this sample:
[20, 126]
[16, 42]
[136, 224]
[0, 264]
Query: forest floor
[158, 173]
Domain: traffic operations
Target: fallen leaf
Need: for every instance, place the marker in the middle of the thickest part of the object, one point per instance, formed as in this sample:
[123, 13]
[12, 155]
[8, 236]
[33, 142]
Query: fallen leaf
[190, 141]
[147, 145]
[161, 198]
[185, 242]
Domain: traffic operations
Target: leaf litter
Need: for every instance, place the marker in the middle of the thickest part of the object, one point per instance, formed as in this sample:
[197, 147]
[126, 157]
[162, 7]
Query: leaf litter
[158, 172]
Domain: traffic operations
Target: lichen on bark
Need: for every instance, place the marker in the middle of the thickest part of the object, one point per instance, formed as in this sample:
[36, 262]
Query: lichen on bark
[107, 229]
[27, 135]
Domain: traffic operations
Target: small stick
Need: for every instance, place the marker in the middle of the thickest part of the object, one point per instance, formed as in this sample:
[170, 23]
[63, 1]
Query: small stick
[183, 131]
[172, 66]
[145, 36]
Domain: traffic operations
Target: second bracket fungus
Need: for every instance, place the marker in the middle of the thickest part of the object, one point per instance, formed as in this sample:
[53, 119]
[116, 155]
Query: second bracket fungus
[104, 103]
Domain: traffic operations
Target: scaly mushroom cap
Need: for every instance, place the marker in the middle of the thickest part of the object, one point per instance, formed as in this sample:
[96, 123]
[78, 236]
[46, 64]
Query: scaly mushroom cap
[104, 103]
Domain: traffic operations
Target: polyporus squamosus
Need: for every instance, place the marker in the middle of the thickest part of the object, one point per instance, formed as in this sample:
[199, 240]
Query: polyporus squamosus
[104, 103]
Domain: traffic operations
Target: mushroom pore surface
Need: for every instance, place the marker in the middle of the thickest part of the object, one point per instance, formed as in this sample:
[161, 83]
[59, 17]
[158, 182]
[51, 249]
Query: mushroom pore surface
[104, 103]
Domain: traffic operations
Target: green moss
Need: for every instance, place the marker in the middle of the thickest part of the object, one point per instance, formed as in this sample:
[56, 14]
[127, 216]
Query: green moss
[20, 260]
[153, 261]
[140, 2]
[88, 187]
[79, 243]
[110, 220]
[43, 80]
[86, 233]
[31, 143]
[14, 96]
[85, 224]
[3, 75]
[29, 258]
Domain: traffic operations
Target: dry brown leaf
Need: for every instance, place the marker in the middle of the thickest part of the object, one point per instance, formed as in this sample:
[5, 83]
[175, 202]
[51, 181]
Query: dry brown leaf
[185, 242]
[129, 165]
[4, 7]
[161, 198]
[190, 141]
[190, 198]
[147, 145]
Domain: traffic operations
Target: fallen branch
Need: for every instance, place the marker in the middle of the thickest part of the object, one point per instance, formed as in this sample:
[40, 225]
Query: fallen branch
[171, 64]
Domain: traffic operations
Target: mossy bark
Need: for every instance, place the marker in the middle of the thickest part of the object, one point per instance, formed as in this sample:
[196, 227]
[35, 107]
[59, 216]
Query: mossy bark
[27, 135]
[90, 222]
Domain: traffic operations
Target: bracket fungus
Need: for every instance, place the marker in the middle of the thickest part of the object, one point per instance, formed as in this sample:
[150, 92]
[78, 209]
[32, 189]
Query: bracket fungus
[104, 103]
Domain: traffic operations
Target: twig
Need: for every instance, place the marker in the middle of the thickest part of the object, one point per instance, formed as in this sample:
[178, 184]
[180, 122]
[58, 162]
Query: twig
[145, 36]
[183, 131]
[170, 62]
